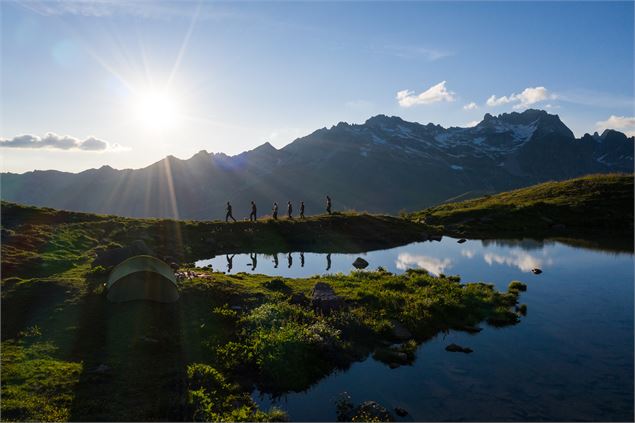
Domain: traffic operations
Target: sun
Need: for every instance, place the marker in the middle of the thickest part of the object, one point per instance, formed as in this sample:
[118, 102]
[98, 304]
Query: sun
[157, 110]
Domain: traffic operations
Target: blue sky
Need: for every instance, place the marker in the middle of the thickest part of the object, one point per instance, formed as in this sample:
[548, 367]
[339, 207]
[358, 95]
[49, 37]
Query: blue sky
[127, 83]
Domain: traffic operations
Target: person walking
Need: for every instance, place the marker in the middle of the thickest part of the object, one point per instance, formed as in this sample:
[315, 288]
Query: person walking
[252, 215]
[274, 213]
[301, 209]
[328, 204]
[228, 214]
[289, 210]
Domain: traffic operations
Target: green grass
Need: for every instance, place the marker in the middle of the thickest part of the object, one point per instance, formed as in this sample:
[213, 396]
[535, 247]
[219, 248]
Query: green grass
[595, 205]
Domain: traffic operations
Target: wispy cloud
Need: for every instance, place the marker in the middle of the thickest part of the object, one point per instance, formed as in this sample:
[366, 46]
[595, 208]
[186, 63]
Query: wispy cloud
[472, 123]
[53, 141]
[431, 264]
[470, 106]
[528, 97]
[416, 52]
[623, 123]
[434, 94]
[107, 8]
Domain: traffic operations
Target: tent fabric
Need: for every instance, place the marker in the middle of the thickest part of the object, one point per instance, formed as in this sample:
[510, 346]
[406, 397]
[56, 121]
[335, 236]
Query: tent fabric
[142, 278]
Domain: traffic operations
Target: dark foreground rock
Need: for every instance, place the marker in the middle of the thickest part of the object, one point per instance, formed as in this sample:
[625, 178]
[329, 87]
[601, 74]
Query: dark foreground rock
[324, 300]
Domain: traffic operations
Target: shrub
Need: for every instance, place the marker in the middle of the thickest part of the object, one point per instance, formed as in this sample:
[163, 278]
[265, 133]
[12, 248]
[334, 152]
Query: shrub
[516, 286]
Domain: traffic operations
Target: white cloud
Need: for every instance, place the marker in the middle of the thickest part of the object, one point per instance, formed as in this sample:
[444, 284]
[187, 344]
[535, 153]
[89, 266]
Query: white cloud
[470, 106]
[431, 264]
[468, 253]
[472, 123]
[527, 98]
[519, 259]
[624, 123]
[53, 141]
[434, 94]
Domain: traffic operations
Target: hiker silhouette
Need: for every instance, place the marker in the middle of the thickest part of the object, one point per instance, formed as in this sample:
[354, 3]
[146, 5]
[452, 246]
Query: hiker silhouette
[328, 204]
[252, 215]
[228, 213]
[274, 212]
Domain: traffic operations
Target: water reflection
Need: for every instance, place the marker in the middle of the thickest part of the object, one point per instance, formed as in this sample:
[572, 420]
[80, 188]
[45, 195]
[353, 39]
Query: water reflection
[431, 264]
[230, 262]
[519, 259]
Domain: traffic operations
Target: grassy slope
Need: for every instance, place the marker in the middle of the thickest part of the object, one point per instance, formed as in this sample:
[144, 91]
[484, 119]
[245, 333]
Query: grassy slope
[587, 206]
[58, 327]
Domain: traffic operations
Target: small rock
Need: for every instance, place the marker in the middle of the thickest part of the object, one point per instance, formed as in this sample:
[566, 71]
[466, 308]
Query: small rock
[536, 271]
[461, 241]
[360, 263]
[401, 412]
[458, 348]
[102, 369]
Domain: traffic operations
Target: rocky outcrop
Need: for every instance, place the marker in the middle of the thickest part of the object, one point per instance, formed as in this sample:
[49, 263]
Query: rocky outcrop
[458, 348]
[324, 300]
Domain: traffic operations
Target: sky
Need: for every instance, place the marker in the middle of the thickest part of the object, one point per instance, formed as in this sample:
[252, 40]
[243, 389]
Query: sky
[90, 83]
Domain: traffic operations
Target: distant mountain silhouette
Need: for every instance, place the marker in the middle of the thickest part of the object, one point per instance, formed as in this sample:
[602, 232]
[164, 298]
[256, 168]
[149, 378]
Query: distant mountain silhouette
[383, 165]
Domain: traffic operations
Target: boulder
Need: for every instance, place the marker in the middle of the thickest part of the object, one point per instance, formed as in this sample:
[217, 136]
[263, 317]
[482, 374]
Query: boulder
[458, 348]
[360, 263]
[536, 271]
[461, 241]
[469, 329]
[324, 300]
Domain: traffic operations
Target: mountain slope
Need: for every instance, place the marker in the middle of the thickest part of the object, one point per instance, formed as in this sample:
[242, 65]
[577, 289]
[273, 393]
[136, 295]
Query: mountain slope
[595, 204]
[383, 165]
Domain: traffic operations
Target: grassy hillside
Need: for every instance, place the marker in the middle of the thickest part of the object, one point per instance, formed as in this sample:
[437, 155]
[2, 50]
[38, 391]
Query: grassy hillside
[595, 205]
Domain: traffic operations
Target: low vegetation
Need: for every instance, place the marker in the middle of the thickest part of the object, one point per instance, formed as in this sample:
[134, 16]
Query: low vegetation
[595, 206]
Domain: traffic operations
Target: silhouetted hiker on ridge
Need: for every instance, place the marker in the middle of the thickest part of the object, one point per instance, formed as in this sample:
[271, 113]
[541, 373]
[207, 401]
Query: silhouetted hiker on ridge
[328, 204]
[228, 209]
[289, 210]
[302, 210]
[275, 211]
[253, 212]
[289, 260]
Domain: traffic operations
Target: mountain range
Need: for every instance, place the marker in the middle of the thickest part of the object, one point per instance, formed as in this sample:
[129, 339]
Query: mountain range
[385, 164]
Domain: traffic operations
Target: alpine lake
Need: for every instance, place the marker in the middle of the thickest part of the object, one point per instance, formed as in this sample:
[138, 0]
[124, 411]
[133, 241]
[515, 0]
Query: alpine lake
[570, 357]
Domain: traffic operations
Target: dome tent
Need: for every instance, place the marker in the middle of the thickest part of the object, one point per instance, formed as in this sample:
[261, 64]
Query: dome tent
[142, 278]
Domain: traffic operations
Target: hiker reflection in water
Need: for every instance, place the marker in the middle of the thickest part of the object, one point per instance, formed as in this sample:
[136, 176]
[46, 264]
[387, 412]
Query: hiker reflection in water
[328, 261]
[289, 260]
[275, 260]
[302, 210]
[289, 210]
[328, 204]
[252, 215]
[274, 212]
[230, 262]
[301, 259]
[254, 261]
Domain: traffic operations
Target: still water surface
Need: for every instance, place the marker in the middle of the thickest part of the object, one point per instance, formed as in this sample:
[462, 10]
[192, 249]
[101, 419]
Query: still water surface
[570, 358]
